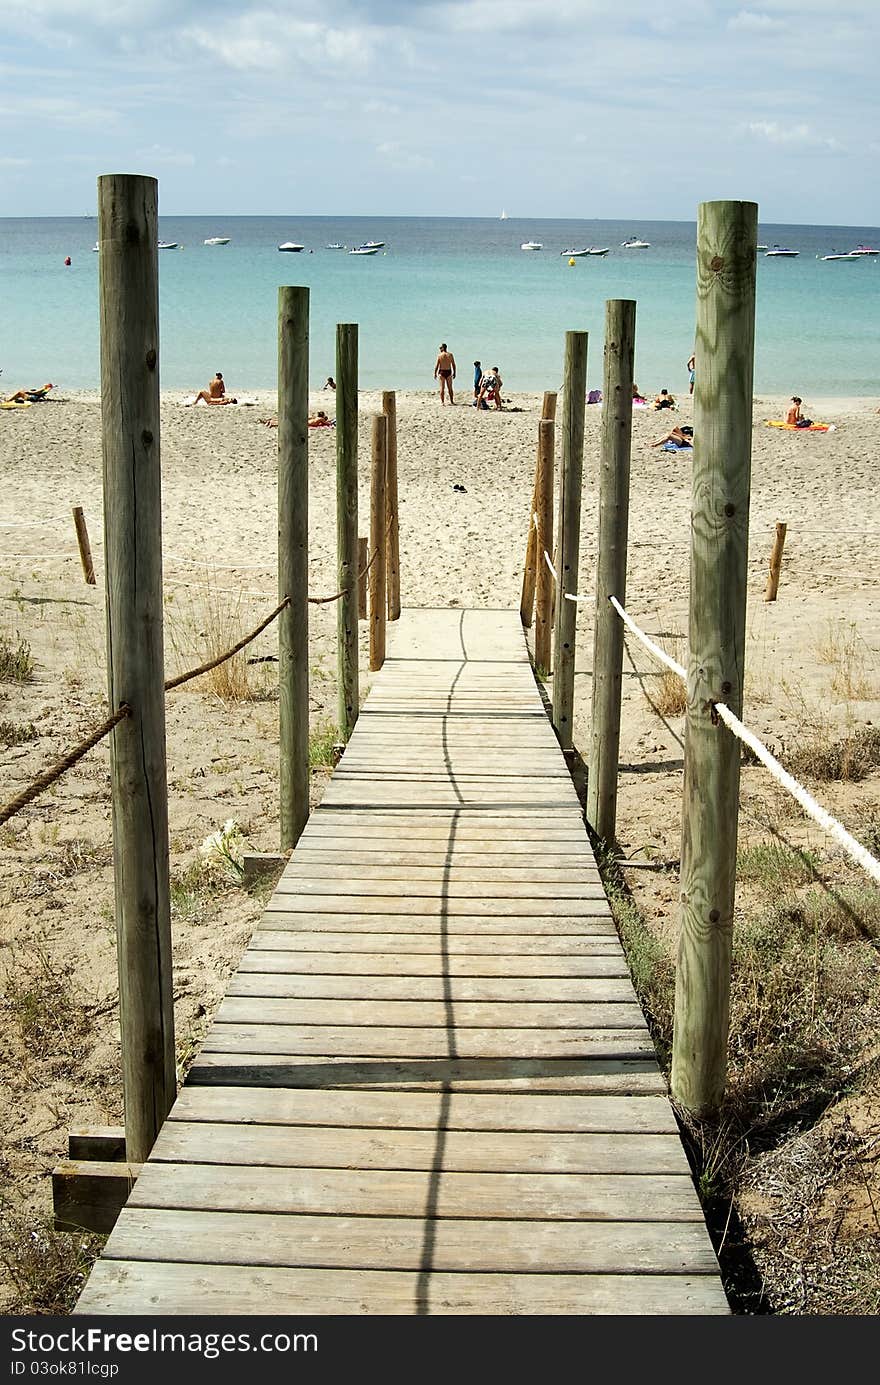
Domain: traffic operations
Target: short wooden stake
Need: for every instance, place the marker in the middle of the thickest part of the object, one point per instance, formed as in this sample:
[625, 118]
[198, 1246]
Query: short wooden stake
[614, 468]
[293, 560]
[544, 536]
[363, 559]
[776, 562]
[574, 408]
[129, 314]
[348, 695]
[392, 525]
[727, 234]
[89, 1195]
[85, 548]
[379, 454]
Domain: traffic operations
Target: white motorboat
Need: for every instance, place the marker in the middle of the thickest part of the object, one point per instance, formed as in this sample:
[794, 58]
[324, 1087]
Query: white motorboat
[835, 256]
[365, 250]
[633, 243]
[597, 250]
[218, 240]
[781, 251]
[372, 245]
[168, 245]
[864, 250]
[291, 245]
[574, 254]
[531, 245]
[335, 246]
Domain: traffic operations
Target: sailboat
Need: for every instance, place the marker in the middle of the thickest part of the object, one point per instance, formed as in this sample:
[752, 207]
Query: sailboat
[503, 216]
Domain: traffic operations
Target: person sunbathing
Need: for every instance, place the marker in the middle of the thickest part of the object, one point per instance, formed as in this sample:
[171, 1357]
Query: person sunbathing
[29, 396]
[682, 437]
[215, 393]
[318, 420]
[664, 400]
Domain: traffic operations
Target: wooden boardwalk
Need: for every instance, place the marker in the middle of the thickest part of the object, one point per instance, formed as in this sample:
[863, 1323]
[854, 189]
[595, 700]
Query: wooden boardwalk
[430, 1088]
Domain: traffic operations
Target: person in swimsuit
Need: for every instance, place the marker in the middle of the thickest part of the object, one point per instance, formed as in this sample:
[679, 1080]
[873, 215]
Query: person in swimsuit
[215, 393]
[445, 371]
[478, 375]
[490, 388]
[683, 436]
[664, 400]
[692, 366]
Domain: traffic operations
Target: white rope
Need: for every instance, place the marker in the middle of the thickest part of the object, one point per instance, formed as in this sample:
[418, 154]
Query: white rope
[834, 828]
[535, 520]
[649, 643]
[581, 600]
[34, 523]
[829, 824]
[553, 571]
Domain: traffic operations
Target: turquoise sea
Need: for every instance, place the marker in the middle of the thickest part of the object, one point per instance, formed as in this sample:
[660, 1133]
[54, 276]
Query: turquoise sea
[463, 281]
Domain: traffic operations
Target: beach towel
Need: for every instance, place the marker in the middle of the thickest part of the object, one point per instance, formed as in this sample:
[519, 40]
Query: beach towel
[793, 428]
[677, 447]
[14, 404]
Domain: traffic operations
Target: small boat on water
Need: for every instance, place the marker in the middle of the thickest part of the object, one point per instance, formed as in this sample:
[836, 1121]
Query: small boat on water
[574, 254]
[167, 245]
[531, 245]
[503, 216]
[634, 243]
[836, 256]
[365, 250]
[598, 250]
[291, 245]
[762, 247]
[864, 250]
[781, 251]
[218, 240]
[372, 245]
[335, 246]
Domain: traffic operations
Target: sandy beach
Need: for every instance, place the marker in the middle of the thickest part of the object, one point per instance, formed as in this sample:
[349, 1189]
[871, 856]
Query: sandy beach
[813, 667]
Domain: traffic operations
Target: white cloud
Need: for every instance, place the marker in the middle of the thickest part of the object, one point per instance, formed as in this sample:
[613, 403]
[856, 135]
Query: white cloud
[7, 161]
[158, 154]
[794, 135]
[747, 21]
[402, 160]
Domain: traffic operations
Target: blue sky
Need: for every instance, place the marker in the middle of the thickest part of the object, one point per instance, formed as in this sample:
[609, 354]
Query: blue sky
[580, 108]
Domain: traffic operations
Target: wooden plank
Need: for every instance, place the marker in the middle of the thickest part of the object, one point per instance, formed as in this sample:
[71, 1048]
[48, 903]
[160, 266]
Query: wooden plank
[374, 1041]
[437, 988]
[468, 1014]
[444, 873]
[143, 1288]
[372, 965]
[332, 914]
[87, 1194]
[419, 941]
[597, 1114]
[430, 902]
[329, 855]
[398, 1243]
[407, 1192]
[618, 1076]
[365, 884]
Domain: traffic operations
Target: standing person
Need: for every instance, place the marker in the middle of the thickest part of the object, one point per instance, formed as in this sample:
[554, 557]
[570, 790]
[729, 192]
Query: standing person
[692, 366]
[478, 375]
[445, 369]
[490, 389]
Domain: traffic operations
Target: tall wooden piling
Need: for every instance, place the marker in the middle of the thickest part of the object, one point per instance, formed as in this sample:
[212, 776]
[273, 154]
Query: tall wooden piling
[614, 468]
[129, 316]
[726, 255]
[533, 556]
[348, 694]
[574, 406]
[378, 539]
[293, 560]
[544, 544]
[392, 525]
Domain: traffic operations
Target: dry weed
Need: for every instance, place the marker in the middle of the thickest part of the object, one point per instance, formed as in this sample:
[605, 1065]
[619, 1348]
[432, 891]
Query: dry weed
[16, 660]
[201, 625]
[46, 1268]
[843, 648]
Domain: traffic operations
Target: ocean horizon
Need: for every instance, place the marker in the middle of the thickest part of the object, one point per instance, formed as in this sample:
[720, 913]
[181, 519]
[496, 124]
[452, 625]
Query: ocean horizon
[465, 281]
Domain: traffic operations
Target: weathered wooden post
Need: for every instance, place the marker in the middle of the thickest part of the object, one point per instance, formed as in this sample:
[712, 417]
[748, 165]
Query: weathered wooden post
[574, 406]
[85, 548]
[378, 547]
[129, 314]
[348, 695]
[293, 560]
[392, 525]
[533, 557]
[363, 559]
[614, 463]
[726, 256]
[544, 544]
[776, 562]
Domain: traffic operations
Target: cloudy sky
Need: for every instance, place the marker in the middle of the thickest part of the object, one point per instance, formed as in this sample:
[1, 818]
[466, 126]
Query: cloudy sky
[580, 108]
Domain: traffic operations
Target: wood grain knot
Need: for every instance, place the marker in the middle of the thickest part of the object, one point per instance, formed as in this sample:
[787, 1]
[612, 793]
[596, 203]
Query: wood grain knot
[151, 358]
[716, 264]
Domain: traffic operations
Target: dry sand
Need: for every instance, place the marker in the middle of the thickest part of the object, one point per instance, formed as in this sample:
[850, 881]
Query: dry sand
[57, 954]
